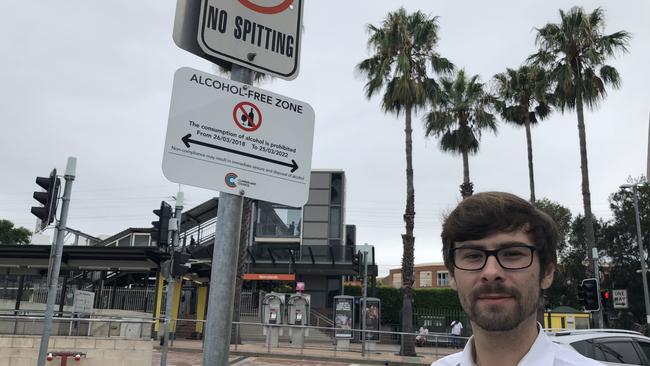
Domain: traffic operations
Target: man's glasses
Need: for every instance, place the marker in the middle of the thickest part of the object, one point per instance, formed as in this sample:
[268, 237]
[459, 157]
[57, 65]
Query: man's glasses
[474, 259]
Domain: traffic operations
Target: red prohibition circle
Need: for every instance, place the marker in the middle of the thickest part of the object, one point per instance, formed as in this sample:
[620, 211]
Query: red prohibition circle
[267, 9]
[248, 121]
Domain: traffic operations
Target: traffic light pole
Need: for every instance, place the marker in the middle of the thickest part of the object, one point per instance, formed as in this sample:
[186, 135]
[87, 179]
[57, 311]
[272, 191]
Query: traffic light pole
[364, 308]
[639, 241]
[224, 266]
[598, 315]
[171, 281]
[56, 263]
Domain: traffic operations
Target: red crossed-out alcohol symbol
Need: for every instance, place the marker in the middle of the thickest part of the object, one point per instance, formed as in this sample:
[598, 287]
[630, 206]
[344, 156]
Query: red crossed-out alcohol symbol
[247, 116]
[284, 5]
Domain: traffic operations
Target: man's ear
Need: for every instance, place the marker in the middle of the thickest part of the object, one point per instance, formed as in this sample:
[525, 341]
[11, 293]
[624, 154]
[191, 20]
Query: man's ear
[547, 278]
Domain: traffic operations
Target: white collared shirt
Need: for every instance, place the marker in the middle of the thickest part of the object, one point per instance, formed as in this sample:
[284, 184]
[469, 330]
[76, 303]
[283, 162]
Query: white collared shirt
[542, 353]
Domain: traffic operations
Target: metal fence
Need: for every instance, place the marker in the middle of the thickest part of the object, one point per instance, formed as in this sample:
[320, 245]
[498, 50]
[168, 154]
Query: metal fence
[78, 326]
[439, 320]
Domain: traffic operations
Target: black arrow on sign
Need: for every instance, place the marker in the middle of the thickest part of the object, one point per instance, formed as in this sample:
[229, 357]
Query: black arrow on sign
[186, 140]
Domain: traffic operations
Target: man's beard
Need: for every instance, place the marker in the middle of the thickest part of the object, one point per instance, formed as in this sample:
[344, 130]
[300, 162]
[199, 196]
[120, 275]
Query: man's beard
[496, 317]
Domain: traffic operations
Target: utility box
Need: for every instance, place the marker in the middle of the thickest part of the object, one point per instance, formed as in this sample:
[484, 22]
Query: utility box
[272, 310]
[298, 308]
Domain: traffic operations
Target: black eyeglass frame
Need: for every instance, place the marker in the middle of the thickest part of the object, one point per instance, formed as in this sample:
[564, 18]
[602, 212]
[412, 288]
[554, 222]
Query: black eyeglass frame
[489, 253]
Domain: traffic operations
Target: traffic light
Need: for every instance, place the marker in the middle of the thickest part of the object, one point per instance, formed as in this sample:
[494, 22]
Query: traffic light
[588, 294]
[48, 199]
[357, 261]
[160, 233]
[179, 265]
[604, 298]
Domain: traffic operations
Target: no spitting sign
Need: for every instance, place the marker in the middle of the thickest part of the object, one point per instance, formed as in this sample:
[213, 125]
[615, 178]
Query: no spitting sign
[263, 35]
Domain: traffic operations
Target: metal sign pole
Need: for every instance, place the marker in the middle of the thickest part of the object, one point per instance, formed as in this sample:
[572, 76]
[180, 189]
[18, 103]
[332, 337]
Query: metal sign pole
[224, 266]
[56, 263]
[364, 308]
[171, 282]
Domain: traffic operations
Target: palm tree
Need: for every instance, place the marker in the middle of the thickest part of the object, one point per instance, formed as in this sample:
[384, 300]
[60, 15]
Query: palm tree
[523, 101]
[402, 53]
[459, 114]
[575, 51]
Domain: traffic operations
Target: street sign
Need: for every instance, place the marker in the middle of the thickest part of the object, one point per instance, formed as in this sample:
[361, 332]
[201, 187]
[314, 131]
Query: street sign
[235, 138]
[83, 302]
[620, 299]
[260, 35]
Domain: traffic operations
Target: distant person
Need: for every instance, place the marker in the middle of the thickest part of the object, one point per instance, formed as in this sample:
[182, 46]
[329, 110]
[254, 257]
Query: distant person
[456, 329]
[421, 338]
[500, 253]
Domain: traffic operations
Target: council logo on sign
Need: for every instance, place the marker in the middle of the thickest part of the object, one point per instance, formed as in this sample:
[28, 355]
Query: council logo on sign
[231, 180]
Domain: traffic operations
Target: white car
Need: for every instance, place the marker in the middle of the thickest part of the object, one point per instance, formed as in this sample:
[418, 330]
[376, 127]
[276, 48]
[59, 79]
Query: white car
[609, 346]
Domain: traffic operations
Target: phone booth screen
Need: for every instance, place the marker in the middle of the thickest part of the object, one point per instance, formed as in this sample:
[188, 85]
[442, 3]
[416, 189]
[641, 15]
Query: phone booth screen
[273, 317]
[298, 316]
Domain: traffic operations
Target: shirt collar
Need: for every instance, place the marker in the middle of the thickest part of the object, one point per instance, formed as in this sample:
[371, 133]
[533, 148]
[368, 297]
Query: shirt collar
[540, 353]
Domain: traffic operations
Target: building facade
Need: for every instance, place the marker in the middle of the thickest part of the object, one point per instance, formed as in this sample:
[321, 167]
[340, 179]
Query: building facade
[427, 275]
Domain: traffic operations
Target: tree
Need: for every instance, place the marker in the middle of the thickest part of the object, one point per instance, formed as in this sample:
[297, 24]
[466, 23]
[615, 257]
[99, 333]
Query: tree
[562, 217]
[13, 235]
[523, 101]
[622, 249]
[575, 51]
[402, 53]
[458, 116]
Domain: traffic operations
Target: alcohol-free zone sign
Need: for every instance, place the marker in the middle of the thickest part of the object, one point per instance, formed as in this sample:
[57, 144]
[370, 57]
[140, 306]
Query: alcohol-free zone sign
[261, 35]
[235, 138]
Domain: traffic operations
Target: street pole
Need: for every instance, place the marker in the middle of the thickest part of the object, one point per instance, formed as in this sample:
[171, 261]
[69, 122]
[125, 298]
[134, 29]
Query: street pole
[364, 309]
[171, 281]
[224, 266]
[639, 242]
[598, 315]
[56, 263]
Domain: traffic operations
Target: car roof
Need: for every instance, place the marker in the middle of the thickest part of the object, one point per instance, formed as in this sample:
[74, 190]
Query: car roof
[570, 336]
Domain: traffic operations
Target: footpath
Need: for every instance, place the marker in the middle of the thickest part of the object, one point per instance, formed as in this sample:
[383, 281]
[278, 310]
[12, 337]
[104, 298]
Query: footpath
[382, 355]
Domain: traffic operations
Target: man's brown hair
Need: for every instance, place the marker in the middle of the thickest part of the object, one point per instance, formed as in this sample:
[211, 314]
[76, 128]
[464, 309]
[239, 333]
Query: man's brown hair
[488, 213]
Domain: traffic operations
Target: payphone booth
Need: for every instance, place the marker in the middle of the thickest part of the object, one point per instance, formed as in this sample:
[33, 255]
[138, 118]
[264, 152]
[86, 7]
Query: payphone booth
[272, 310]
[298, 314]
[343, 321]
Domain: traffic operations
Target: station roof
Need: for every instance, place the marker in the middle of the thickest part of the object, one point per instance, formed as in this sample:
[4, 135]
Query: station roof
[34, 259]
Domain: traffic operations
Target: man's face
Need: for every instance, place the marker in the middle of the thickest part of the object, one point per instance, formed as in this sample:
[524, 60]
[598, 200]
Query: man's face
[498, 299]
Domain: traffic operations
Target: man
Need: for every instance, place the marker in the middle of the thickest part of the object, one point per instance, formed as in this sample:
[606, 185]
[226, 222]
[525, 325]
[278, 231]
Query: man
[500, 253]
[456, 329]
[421, 338]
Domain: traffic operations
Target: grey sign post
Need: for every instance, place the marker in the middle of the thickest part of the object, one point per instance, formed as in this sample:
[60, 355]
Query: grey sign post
[224, 257]
[56, 262]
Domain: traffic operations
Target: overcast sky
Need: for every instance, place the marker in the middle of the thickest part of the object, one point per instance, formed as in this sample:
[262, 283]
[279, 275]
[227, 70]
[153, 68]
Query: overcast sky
[93, 80]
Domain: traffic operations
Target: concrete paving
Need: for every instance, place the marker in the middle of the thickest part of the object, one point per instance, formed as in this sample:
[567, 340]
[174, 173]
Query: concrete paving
[189, 352]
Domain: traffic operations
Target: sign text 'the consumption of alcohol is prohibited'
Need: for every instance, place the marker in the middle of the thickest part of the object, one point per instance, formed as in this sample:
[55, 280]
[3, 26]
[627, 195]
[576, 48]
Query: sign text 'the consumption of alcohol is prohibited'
[238, 139]
[261, 35]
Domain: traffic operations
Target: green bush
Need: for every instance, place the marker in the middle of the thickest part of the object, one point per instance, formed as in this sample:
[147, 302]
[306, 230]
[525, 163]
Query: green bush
[426, 301]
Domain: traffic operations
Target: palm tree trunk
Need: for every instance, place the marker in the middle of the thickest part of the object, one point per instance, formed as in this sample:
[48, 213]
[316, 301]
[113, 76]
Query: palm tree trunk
[531, 174]
[235, 337]
[407, 347]
[586, 195]
[466, 189]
